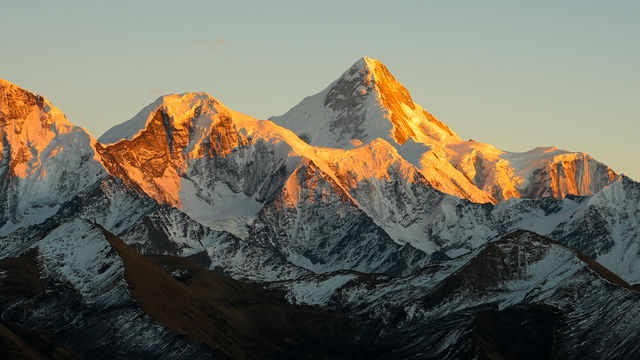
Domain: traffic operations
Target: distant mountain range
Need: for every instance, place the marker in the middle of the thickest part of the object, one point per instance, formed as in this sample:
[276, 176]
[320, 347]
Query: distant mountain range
[356, 225]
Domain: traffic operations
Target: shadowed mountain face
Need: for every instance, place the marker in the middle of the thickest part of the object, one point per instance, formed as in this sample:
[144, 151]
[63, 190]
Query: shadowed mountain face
[195, 312]
[554, 302]
[522, 296]
[356, 225]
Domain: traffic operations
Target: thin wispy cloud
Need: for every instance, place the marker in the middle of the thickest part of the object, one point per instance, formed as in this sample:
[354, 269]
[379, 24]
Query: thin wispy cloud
[209, 45]
[154, 91]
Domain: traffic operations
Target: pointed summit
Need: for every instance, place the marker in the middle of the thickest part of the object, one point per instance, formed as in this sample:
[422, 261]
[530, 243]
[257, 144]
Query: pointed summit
[363, 104]
[367, 103]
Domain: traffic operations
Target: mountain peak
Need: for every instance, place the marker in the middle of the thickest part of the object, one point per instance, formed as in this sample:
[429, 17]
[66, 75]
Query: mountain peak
[369, 72]
[185, 105]
[365, 103]
[365, 62]
[39, 150]
[17, 104]
[154, 148]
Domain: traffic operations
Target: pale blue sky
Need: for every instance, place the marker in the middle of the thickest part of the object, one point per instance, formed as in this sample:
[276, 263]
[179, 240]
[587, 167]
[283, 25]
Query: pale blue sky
[514, 74]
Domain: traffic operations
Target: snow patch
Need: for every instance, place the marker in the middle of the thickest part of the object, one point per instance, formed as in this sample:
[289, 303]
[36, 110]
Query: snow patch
[315, 290]
[224, 209]
[30, 217]
[77, 252]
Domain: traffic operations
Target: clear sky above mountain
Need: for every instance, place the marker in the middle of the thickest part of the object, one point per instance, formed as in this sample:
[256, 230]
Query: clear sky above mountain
[514, 74]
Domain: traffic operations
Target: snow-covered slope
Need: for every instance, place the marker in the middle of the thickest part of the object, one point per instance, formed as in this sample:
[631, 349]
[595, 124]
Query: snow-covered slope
[522, 295]
[44, 160]
[170, 231]
[605, 227]
[76, 289]
[365, 103]
[132, 127]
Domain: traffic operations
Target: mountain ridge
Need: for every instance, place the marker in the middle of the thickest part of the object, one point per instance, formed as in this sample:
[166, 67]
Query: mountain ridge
[186, 136]
[192, 230]
[368, 97]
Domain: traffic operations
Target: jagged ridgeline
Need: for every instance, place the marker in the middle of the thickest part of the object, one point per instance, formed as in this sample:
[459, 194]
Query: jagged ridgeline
[356, 225]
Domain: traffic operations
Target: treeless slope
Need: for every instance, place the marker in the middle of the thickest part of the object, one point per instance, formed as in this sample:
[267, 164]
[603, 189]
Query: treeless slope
[239, 320]
[21, 279]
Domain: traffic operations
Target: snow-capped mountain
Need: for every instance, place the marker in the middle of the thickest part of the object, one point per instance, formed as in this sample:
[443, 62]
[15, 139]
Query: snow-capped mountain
[193, 153]
[357, 221]
[367, 103]
[252, 178]
[44, 159]
[364, 104]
